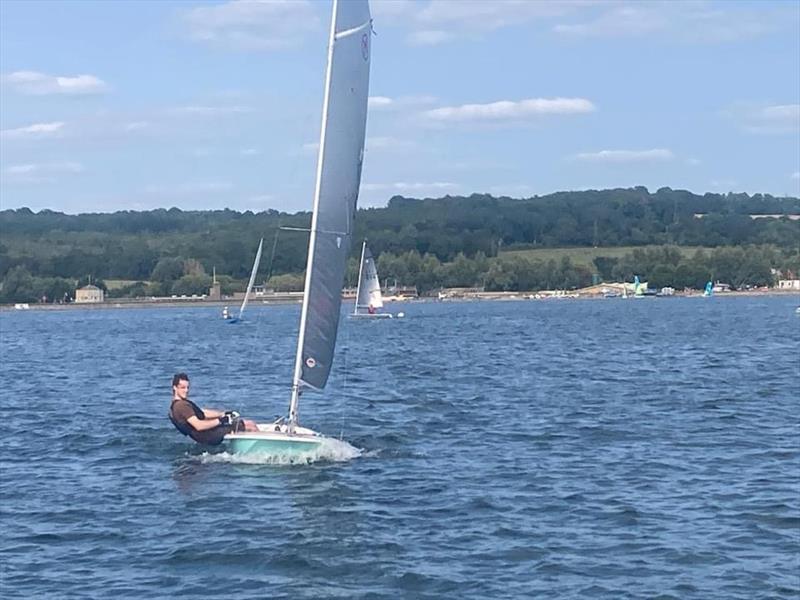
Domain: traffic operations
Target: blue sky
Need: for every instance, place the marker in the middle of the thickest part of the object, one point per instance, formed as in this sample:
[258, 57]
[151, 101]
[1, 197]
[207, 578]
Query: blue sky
[110, 106]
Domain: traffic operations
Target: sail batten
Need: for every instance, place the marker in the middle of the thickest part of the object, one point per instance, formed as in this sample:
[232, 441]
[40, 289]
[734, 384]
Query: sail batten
[341, 153]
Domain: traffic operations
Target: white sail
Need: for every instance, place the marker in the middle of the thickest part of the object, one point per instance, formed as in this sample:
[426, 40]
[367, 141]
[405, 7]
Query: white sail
[369, 287]
[252, 280]
[341, 154]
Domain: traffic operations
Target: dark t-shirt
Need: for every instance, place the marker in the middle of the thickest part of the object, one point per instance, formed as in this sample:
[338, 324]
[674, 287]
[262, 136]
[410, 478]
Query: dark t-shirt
[181, 410]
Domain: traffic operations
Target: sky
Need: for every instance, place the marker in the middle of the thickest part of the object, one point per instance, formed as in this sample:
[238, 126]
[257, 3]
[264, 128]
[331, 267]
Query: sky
[108, 106]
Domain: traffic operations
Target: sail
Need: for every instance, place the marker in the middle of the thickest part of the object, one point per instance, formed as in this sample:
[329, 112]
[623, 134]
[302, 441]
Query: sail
[369, 287]
[252, 278]
[709, 289]
[341, 153]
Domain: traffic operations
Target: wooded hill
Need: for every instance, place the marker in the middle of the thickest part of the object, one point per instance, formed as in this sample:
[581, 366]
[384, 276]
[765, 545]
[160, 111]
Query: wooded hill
[165, 245]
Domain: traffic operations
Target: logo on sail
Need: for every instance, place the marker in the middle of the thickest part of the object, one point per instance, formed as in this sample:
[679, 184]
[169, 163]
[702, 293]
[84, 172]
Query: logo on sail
[365, 46]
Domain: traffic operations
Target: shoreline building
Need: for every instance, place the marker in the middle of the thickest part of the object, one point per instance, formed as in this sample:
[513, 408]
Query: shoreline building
[89, 294]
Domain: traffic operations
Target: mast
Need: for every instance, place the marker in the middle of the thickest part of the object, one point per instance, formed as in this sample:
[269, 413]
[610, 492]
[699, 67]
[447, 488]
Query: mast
[360, 270]
[298, 361]
[340, 159]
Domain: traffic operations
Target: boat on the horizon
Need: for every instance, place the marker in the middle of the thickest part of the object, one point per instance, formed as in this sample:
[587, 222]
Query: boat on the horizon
[368, 292]
[236, 318]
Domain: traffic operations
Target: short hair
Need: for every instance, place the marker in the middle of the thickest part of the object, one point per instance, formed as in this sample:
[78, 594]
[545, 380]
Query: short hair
[178, 377]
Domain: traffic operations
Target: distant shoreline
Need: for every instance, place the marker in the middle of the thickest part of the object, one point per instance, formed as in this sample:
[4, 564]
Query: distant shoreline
[476, 296]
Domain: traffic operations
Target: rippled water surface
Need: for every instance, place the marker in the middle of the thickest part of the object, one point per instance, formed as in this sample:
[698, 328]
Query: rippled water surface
[602, 449]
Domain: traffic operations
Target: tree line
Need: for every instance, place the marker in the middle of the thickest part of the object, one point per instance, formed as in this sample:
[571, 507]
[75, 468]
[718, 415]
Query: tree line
[429, 243]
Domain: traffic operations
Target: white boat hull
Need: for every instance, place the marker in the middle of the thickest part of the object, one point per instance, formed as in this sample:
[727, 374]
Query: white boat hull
[369, 316]
[274, 439]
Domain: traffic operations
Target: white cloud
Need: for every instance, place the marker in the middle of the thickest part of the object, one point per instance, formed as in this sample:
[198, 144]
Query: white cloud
[626, 156]
[774, 119]
[40, 172]
[403, 186]
[35, 131]
[507, 110]
[623, 21]
[252, 25]
[378, 102]
[33, 82]
[684, 21]
[249, 152]
[136, 125]
[440, 21]
[401, 102]
[430, 38]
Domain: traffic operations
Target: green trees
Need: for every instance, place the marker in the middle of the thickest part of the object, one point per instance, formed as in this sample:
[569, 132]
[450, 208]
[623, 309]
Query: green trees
[450, 241]
[18, 286]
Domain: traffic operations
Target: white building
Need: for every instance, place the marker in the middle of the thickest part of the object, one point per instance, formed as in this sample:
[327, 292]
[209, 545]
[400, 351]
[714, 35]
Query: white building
[88, 294]
[789, 285]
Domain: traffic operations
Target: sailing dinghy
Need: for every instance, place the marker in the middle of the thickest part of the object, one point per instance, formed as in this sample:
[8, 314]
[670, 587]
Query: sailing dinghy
[256, 262]
[368, 293]
[341, 154]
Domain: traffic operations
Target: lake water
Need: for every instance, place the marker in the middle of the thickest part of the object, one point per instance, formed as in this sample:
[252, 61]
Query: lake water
[571, 449]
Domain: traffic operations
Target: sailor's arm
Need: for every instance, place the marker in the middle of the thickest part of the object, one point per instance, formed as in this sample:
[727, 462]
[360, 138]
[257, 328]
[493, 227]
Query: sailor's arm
[212, 413]
[203, 424]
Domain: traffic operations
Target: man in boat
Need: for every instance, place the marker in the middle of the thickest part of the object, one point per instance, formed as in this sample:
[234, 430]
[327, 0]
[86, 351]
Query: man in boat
[203, 425]
[371, 309]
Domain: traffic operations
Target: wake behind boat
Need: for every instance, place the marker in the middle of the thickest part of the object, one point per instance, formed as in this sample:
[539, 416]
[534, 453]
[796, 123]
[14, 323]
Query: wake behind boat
[341, 154]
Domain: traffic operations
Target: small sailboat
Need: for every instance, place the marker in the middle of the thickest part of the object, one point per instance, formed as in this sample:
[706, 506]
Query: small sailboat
[709, 290]
[235, 319]
[368, 293]
[341, 155]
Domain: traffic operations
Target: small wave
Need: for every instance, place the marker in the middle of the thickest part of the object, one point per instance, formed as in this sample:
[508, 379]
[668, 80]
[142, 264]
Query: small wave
[330, 449]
